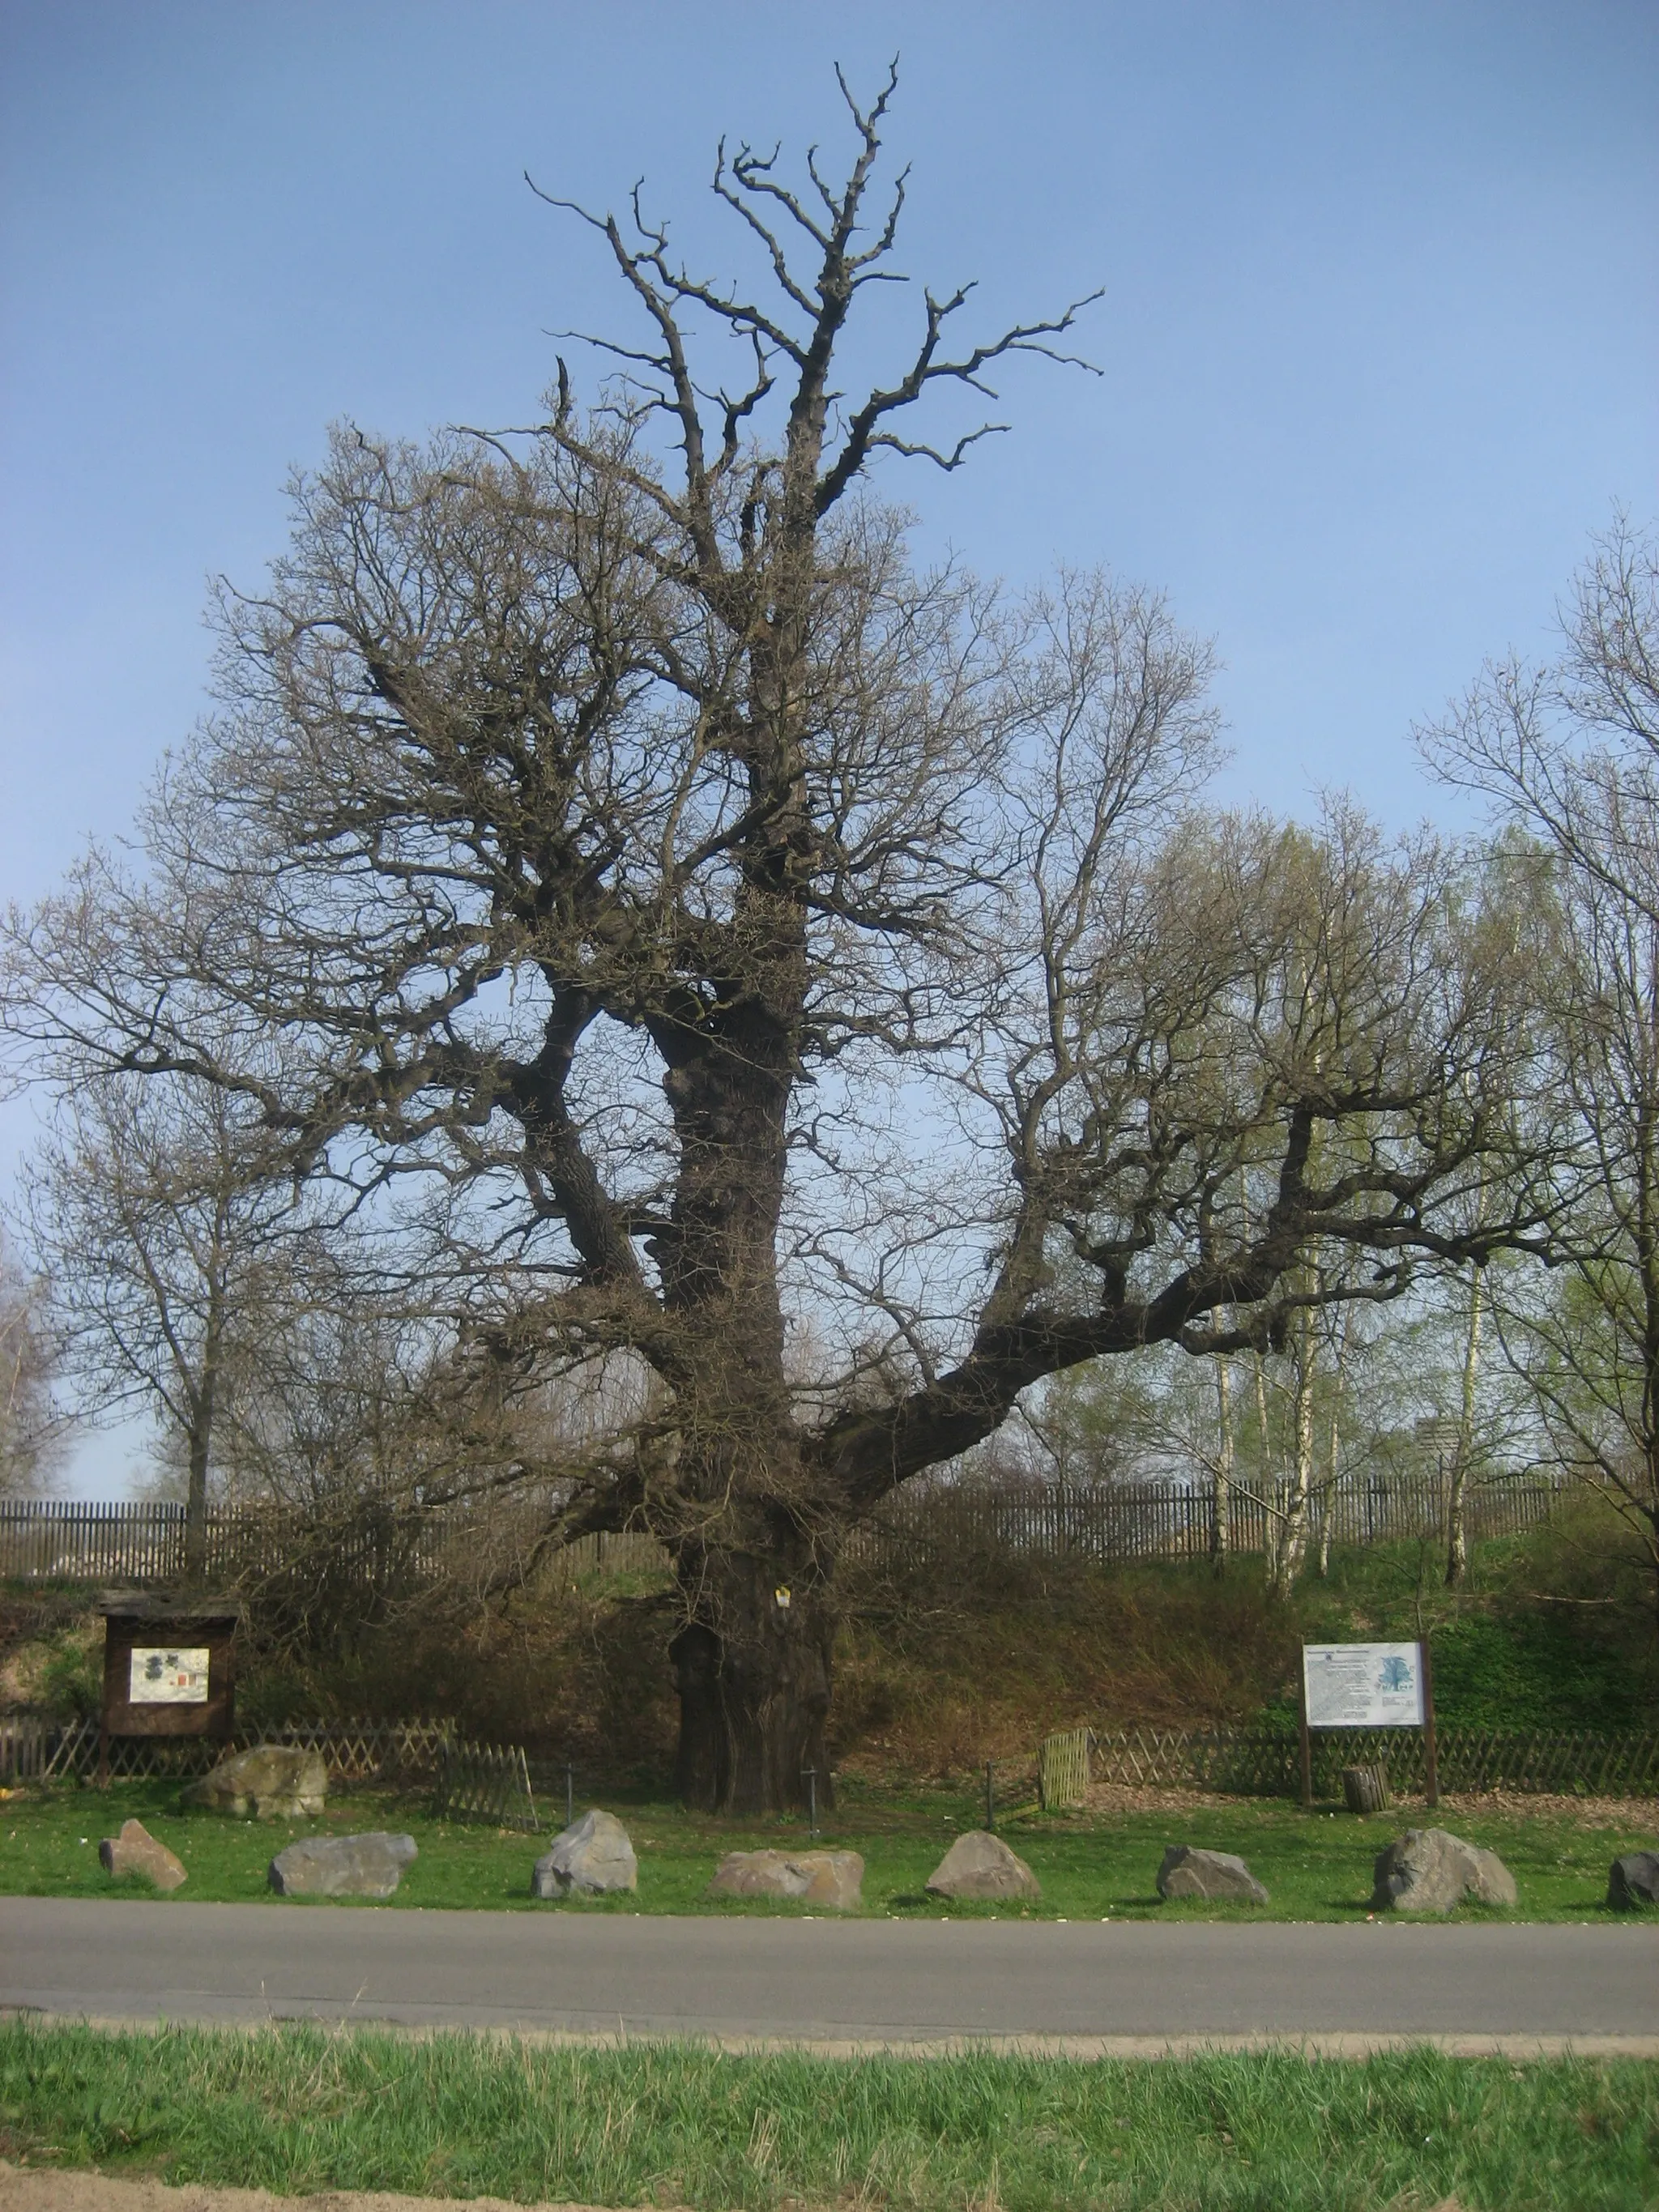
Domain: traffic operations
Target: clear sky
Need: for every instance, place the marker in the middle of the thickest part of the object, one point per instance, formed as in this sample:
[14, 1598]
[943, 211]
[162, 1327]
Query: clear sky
[1380, 332]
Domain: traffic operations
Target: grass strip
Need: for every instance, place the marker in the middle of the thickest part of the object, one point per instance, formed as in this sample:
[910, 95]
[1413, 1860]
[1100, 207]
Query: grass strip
[1317, 1867]
[294, 2108]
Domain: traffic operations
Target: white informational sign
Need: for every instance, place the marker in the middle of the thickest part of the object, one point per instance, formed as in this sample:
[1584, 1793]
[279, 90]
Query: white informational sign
[169, 1677]
[1363, 1685]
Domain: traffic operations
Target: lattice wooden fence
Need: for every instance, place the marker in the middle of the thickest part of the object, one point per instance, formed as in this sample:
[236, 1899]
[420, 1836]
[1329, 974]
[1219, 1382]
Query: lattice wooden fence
[394, 1751]
[485, 1782]
[1264, 1762]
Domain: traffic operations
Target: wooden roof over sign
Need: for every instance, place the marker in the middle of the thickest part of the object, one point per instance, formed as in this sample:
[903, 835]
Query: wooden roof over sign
[168, 1605]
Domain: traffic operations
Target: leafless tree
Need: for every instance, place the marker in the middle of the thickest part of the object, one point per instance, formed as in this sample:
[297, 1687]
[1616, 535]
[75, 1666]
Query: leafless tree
[614, 858]
[1570, 754]
[171, 1248]
[31, 1431]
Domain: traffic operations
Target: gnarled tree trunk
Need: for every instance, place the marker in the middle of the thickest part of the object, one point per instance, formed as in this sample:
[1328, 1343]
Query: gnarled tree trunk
[752, 1666]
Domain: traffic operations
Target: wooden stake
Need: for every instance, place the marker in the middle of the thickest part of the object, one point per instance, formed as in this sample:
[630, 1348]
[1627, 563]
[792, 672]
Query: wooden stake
[1306, 1740]
[1430, 1767]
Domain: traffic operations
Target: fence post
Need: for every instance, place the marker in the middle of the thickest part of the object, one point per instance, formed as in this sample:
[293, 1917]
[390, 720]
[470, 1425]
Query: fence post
[1431, 1761]
[1304, 1740]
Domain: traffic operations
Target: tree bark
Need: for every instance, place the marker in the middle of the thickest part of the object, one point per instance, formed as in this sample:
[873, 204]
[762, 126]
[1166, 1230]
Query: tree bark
[203, 1400]
[1221, 1527]
[752, 1667]
[1457, 1547]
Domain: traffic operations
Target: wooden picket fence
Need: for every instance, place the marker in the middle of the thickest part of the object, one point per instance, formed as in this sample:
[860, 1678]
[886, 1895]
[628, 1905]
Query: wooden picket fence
[485, 1782]
[1260, 1762]
[48, 1539]
[1133, 1521]
[53, 1540]
[1063, 1769]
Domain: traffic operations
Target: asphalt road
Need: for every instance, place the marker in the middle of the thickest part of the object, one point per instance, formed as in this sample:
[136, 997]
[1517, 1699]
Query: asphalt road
[1080, 1985]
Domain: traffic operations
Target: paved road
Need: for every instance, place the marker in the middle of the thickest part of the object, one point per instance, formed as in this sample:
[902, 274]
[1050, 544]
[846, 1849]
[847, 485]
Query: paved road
[823, 1981]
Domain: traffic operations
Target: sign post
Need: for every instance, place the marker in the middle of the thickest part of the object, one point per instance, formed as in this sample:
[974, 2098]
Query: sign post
[1366, 1685]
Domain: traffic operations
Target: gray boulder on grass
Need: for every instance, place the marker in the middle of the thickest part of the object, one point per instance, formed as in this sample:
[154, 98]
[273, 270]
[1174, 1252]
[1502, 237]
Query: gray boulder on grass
[592, 1854]
[1634, 1881]
[369, 1865]
[1218, 1875]
[276, 1781]
[1429, 1870]
[135, 1850]
[980, 1865]
[832, 1879]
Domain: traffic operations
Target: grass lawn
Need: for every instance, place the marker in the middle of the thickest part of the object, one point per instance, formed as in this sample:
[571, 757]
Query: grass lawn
[1317, 1867]
[297, 2108]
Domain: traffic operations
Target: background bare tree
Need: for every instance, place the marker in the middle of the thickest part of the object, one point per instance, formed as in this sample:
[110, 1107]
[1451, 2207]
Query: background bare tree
[174, 1251]
[1570, 755]
[617, 864]
[32, 1431]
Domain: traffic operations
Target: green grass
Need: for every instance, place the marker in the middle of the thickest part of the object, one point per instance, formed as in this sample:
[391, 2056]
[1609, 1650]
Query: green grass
[1317, 1867]
[297, 2108]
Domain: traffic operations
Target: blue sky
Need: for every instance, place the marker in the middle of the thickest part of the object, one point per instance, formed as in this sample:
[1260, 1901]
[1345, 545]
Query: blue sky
[1379, 331]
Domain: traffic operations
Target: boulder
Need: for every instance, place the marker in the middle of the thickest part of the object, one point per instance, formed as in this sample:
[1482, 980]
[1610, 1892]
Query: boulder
[1218, 1875]
[135, 1850]
[980, 1865]
[276, 1781]
[1634, 1881]
[1428, 1870]
[368, 1865]
[593, 1854]
[833, 1879]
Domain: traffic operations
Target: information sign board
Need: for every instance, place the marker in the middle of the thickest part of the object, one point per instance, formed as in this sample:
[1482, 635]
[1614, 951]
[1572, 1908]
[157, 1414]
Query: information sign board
[1363, 1685]
[164, 1675]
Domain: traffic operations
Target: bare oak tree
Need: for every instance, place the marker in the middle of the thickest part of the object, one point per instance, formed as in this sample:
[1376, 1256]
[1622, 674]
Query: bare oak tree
[720, 948]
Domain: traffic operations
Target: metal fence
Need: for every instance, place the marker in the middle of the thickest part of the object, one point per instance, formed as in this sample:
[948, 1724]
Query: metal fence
[1262, 1762]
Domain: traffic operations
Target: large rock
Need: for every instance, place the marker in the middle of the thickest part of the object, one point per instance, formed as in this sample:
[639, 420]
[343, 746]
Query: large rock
[980, 1865]
[834, 1879]
[276, 1781]
[1429, 1870]
[135, 1850]
[1633, 1881]
[1218, 1875]
[593, 1854]
[369, 1865]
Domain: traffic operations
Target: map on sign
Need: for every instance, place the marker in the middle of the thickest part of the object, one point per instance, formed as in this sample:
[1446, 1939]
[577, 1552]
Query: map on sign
[174, 1677]
[1363, 1685]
